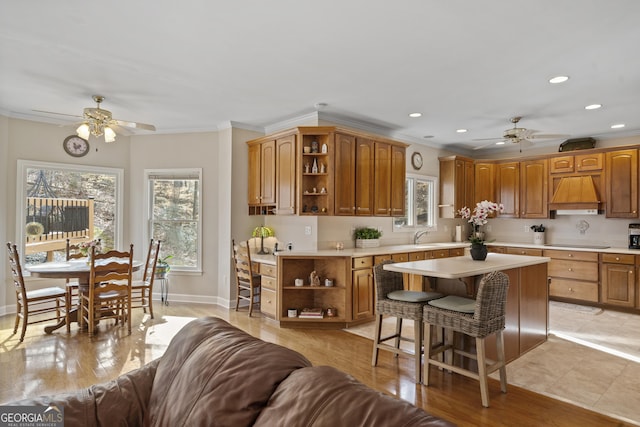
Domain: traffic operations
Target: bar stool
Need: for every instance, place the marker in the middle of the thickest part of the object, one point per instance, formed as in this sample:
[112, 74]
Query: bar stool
[477, 318]
[393, 300]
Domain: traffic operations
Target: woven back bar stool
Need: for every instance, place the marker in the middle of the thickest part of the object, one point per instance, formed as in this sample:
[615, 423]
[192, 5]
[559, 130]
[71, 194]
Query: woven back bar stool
[393, 300]
[477, 318]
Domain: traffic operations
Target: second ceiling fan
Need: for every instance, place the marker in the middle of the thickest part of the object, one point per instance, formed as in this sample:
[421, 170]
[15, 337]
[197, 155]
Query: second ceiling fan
[518, 135]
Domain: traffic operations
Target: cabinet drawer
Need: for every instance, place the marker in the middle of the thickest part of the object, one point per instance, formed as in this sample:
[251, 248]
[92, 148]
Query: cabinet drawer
[416, 256]
[586, 291]
[268, 270]
[573, 255]
[401, 257]
[440, 253]
[524, 251]
[618, 258]
[573, 269]
[268, 282]
[456, 252]
[589, 162]
[497, 249]
[363, 262]
[379, 258]
[268, 302]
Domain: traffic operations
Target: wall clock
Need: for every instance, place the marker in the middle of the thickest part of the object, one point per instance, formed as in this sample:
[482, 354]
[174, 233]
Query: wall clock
[416, 160]
[75, 146]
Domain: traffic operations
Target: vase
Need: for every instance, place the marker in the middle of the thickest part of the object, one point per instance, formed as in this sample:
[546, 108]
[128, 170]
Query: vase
[538, 238]
[479, 251]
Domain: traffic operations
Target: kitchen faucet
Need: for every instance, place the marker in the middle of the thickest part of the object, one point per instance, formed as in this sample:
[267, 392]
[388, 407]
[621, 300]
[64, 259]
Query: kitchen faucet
[418, 235]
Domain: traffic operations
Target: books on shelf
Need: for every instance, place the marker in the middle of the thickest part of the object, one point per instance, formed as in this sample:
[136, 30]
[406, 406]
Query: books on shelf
[311, 313]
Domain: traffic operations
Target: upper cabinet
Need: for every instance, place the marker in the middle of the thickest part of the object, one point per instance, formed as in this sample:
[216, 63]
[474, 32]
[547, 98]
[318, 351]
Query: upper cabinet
[485, 186]
[323, 170]
[508, 188]
[457, 178]
[576, 163]
[534, 189]
[621, 178]
[262, 177]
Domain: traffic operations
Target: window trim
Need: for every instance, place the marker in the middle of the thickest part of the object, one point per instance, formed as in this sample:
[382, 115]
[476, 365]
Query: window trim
[21, 194]
[174, 173]
[434, 207]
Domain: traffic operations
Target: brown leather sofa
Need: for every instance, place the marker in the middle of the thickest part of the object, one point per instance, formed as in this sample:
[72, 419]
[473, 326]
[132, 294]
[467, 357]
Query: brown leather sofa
[214, 374]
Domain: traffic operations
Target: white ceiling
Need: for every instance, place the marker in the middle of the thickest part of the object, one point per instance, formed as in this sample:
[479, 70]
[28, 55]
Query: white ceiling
[196, 65]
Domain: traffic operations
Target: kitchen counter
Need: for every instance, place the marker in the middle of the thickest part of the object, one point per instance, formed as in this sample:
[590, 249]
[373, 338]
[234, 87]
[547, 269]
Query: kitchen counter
[568, 247]
[464, 266]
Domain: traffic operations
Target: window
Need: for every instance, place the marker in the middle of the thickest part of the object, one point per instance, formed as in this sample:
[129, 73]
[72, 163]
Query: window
[60, 201]
[174, 217]
[420, 203]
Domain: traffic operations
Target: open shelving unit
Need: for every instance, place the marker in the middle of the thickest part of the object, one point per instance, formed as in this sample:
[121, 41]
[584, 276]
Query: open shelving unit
[316, 186]
[337, 296]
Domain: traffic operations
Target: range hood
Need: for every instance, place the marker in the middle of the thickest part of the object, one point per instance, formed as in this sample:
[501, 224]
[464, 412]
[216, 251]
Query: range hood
[575, 195]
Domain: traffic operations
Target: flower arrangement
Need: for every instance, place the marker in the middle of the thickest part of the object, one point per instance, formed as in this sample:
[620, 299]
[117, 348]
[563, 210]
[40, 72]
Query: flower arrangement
[538, 228]
[480, 217]
[85, 247]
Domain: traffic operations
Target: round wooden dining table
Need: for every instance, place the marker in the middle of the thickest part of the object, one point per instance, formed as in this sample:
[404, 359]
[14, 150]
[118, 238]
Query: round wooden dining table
[73, 269]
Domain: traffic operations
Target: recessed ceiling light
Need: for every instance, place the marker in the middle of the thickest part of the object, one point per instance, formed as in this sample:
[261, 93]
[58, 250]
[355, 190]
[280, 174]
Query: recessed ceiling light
[428, 136]
[618, 126]
[415, 114]
[593, 107]
[558, 79]
[500, 143]
[461, 130]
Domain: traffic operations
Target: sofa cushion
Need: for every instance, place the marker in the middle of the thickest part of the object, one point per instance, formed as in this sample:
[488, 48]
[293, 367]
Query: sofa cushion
[215, 374]
[325, 396]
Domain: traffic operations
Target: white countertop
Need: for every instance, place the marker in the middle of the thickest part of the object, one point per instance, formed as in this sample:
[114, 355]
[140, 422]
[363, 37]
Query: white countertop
[464, 266]
[390, 249]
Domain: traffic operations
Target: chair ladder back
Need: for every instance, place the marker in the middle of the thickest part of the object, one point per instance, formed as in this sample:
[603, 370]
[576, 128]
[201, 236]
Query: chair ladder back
[152, 261]
[242, 257]
[16, 271]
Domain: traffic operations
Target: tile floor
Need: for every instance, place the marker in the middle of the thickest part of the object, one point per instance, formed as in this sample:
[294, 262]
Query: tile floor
[591, 359]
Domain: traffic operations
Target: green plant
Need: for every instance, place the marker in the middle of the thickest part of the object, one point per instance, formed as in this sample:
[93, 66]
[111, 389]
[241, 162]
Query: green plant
[538, 228]
[367, 233]
[163, 264]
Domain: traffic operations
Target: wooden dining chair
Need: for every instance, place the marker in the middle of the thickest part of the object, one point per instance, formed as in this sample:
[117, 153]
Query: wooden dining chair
[247, 281]
[71, 299]
[39, 303]
[142, 290]
[109, 293]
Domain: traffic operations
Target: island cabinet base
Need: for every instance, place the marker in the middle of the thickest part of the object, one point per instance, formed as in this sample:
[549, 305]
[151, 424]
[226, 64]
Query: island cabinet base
[527, 312]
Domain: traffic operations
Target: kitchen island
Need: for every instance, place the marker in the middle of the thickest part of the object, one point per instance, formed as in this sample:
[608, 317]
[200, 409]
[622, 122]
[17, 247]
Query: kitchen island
[527, 299]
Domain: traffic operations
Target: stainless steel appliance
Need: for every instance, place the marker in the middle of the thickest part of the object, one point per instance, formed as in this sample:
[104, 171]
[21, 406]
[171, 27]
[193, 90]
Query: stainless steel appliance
[634, 236]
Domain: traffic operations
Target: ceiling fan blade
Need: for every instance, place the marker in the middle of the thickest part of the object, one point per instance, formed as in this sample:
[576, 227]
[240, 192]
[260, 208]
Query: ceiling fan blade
[489, 144]
[548, 136]
[488, 139]
[134, 125]
[58, 114]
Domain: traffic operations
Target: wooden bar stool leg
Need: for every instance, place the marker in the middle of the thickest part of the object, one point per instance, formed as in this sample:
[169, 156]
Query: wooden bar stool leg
[482, 372]
[398, 332]
[376, 339]
[427, 353]
[417, 337]
[501, 361]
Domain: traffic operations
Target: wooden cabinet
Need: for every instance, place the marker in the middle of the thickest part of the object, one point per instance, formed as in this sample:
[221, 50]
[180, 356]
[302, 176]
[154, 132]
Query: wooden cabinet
[523, 251]
[457, 178]
[617, 279]
[573, 274]
[262, 177]
[389, 179]
[268, 291]
[285, 198]
[363, 289]
[621, 178]
[534, 191]
[316, 174]
[485, 185]
[354, 175]
[576, 163]
[508, 188]
[298, 297]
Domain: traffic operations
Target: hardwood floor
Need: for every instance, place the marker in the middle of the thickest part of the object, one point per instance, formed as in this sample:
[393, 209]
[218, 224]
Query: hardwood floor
[47, 364]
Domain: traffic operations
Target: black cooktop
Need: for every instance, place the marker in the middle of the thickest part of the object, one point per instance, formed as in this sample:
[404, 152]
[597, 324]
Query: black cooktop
[556, 245]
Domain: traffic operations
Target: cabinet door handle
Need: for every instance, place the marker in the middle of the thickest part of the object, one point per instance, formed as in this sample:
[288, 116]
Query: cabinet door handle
[617, 258]
[571, 269]
[570, 255]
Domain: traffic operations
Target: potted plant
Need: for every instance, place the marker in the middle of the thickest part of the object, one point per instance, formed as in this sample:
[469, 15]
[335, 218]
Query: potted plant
[262, 231]
[478, 218]
[367, 237]
[538, 234]
[163, 267]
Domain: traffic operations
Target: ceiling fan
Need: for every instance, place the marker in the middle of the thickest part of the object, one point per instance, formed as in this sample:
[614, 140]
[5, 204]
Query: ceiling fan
[518, 135]
[98, 121]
